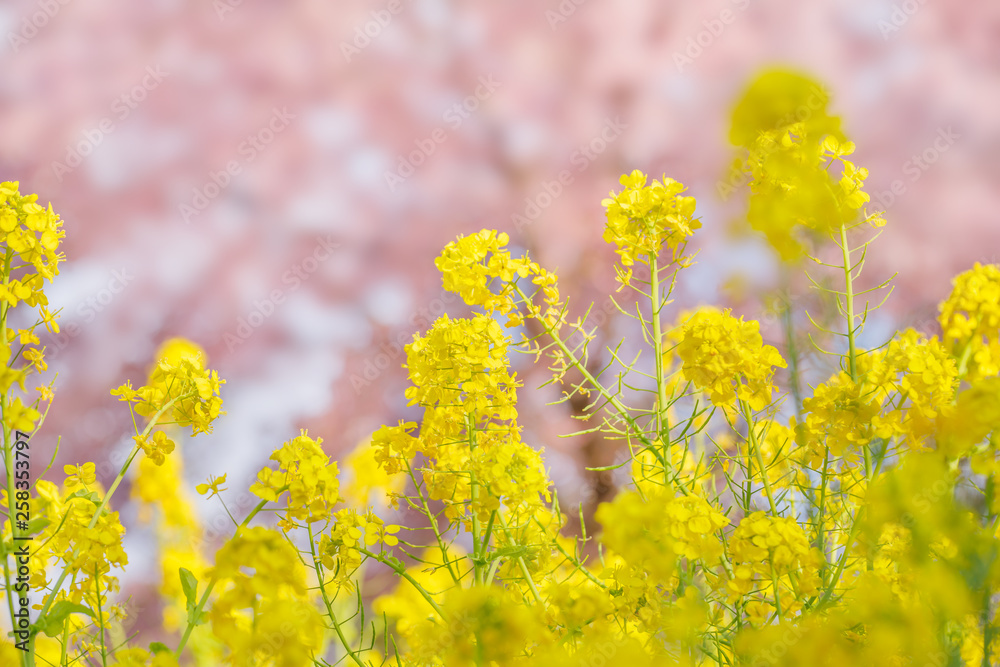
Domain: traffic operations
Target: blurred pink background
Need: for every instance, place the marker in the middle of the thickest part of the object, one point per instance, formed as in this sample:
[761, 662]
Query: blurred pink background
[221, 168]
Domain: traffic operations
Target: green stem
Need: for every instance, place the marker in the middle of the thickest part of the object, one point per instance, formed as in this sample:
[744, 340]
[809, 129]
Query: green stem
[520, 562]
[851, 331]
[477, 548]
[987, 593]
[842, 563]
[432, 520]
[610, 398]
[100, 508]
[100, 616]
[821, 511]
[193, 616]
[777, 591]
[329, 605]
[963, 361]
[400, 569]
[755, 448]
[662, 420]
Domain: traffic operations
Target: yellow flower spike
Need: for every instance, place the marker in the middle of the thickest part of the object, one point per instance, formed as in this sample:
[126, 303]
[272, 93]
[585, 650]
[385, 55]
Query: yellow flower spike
[778, 98]
[970, 321]
[179, 379]
[310, 477]
[642, 219]
[726, 357]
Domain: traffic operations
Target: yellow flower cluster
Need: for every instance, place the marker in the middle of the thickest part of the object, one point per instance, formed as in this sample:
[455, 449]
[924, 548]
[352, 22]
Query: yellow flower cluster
[773, 556]
[180, 390]
[459, 364]
[306, 473]
[915, 379]
[470, 263]
[486, 622]
[268, 608]
[394, 446]
[726, 357]
[369, 477]
[34, 233]
[633, 529]
[790, 144]
[166, 503]
[642, 219]
[88, 542]
[339, 549]
[970, 320]
[975, 416]
[651, 533]
[843, 416]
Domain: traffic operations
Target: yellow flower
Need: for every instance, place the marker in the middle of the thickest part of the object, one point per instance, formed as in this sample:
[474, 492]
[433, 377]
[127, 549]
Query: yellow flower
[20, 417]
[157, 447]
[45, 394]
[768, 551]
[306, 473]
[263, 599]
[641, 218]
[212, 487]
[970, 320]
[778, 98]
[791, 144]
[83, 475]
[726, 357]
[368, 476]
[180, 384]
[469, 265]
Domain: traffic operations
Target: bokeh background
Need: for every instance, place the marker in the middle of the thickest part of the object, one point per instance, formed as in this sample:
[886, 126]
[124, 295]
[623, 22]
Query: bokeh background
[274, 179]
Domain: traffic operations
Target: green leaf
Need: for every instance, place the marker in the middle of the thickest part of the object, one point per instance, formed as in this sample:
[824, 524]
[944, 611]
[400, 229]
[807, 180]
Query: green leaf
[189, 584]
[89, 495]
[52, 624]
[157, 647]
[37, 525]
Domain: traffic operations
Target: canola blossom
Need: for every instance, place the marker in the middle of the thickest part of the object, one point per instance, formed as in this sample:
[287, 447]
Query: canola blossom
[766, 516]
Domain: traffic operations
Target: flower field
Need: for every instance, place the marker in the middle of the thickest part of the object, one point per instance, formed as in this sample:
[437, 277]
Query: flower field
[764, 518]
